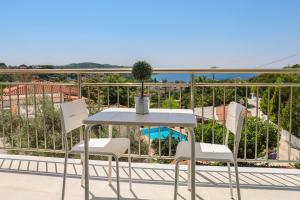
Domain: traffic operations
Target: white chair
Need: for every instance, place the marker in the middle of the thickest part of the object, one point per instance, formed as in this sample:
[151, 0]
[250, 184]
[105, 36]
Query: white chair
[216, 152]
[72, 115]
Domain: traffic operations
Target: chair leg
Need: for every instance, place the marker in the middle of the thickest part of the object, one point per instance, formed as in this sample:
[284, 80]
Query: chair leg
[176, 179]
[189, 180]
[230, 181]
[129, 166]
[82, 167]
[118, 177]
[65, 174]
[109, 169]
[237, 180]
[110, 130]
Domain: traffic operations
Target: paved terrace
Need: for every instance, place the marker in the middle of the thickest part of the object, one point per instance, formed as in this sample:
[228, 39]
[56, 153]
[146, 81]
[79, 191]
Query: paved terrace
[36, 178]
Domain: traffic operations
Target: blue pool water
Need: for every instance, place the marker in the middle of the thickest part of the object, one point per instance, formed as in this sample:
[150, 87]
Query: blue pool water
[164, 133]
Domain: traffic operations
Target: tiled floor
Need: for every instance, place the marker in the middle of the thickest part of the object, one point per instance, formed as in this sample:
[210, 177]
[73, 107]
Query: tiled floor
[28, 177]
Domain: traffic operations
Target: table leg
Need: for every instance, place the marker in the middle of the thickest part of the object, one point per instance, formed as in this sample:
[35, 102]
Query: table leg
[110, 129]
[189, 181]
[192, 165]
[86, 161]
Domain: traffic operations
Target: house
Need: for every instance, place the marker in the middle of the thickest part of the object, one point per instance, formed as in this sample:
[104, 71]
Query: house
[16, 97]
[219, 112]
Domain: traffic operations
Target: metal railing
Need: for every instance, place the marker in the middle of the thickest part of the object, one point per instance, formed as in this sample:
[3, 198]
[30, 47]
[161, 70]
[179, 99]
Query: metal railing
[30, 119]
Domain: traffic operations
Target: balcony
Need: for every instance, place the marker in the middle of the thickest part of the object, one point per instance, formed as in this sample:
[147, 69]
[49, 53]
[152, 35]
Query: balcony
[30, 125]
[30, 177]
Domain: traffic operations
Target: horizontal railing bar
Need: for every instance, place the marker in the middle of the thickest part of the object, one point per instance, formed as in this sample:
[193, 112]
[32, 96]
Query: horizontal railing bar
[249, 84]
[196, 84]
[138, 84]
[39, 83]
[155, 70]
[267, 161]
[156, 84]
[144, 156]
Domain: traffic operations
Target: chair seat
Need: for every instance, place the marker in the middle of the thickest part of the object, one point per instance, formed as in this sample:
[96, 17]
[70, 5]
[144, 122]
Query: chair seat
[204, 151]
[116, 146]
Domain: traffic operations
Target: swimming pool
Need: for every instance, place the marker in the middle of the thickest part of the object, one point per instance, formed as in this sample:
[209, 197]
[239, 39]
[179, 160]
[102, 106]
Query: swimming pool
[164, 133]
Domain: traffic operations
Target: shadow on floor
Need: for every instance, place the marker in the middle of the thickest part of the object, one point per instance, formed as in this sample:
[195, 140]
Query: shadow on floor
[146, 175]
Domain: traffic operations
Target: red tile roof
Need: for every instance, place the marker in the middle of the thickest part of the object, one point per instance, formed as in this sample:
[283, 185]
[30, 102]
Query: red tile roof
[40, 88]
[220, 113]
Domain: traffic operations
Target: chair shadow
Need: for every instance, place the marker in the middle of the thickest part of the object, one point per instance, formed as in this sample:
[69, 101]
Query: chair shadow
[115, 191]
[145, 175]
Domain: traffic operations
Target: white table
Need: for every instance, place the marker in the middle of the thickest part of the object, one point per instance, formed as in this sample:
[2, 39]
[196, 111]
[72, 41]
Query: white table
[156, 117]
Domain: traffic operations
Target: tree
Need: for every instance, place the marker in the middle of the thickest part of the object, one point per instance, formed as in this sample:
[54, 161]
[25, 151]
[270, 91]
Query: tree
[4, 77]
[142, 71]
[295, 111]
[3, 66]
[170, 103]
[285, 96]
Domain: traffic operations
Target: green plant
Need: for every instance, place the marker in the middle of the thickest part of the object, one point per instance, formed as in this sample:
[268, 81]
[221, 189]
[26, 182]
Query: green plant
[170, 103]
[142, 71]
[165, 146]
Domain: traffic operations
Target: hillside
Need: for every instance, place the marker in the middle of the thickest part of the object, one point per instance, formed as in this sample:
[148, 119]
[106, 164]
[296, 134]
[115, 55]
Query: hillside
[87, 65]
[279, 78]
[82, 65]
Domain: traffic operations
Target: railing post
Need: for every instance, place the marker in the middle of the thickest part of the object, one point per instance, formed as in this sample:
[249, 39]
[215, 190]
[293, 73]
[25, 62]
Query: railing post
[128, 99]
[191, 163]
[80, 96]
[256, 125]
[213, 115]
[192, 85]
[268, 125]
[290, 123]
[2, 116]
[44, 116]
[169, 104]
[180, 97]
[11, 117]
[245, 125]
[79, 85]
[158, 97]
[202, 114]
[278, 122]
[118, 96]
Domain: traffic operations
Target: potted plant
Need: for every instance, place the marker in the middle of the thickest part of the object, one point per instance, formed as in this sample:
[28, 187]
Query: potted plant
[142, 72]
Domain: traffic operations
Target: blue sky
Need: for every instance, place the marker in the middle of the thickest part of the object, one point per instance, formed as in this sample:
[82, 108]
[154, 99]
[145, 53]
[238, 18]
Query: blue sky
[223, 33]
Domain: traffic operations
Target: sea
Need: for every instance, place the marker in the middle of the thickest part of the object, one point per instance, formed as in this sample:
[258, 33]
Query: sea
[187, 77]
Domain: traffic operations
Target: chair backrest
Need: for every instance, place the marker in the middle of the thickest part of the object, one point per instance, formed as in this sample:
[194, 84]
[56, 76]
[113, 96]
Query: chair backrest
[72, 114]
[235, 119]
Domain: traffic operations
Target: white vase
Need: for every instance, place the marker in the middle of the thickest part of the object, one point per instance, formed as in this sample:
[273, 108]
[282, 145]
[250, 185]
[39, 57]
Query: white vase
[142, 105]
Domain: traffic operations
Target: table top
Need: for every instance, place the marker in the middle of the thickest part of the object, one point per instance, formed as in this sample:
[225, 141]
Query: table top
[156, 117]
